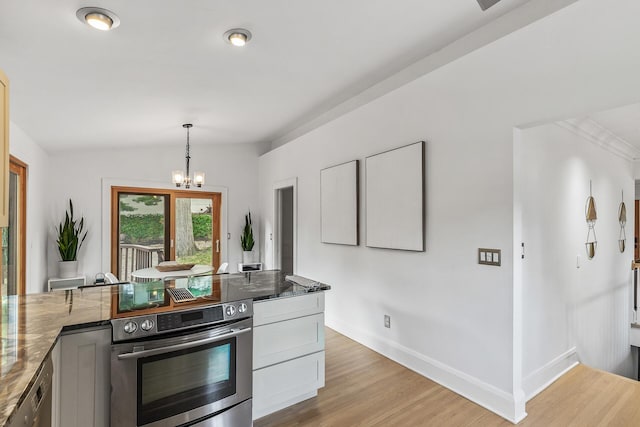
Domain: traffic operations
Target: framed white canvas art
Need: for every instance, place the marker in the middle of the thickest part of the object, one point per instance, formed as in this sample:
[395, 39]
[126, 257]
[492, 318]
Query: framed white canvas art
[394, 198]
[339, 204]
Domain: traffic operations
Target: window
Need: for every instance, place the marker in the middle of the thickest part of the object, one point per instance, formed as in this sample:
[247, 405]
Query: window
[151, 225]
[12, 276]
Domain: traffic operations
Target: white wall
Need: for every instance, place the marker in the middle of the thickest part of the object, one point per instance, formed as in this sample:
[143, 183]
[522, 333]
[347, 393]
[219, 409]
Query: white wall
[78, 175]
[452, 319]
[25, 149]
[583, 311]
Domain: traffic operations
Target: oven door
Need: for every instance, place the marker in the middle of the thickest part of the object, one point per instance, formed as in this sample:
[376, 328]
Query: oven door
[179, 380]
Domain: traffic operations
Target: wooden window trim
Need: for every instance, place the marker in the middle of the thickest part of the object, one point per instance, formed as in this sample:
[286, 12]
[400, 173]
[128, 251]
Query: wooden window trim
[170, 208]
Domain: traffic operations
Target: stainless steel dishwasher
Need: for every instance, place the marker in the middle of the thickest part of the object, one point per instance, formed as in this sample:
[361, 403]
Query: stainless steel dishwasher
[35, 409]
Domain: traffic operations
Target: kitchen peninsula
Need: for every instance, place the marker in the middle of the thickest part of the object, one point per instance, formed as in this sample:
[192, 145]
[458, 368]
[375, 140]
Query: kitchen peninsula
[32, 325]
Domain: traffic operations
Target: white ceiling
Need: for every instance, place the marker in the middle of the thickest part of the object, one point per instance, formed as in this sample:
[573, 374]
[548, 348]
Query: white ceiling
[623, 122]
[167, 64]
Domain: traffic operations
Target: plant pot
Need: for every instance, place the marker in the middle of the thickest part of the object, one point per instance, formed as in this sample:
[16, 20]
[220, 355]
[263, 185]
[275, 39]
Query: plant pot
[247, 257]
[67, 269]
[591, 249]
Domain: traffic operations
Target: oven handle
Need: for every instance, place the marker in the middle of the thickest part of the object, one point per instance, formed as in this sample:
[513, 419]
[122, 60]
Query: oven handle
[191, 344]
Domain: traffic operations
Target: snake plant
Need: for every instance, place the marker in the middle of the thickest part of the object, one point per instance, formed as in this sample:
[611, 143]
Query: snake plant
[246, 239]
[70, 236]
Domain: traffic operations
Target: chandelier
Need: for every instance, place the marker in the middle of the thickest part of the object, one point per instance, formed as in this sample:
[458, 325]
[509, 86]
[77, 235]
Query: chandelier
[181, 178]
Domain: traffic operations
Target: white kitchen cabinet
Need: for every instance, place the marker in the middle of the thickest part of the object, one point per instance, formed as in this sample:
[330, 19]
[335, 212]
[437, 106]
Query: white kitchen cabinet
[287, 383]
[82, 378]
[280, 341]
[288, 351]
[55, 386]
[276, 310]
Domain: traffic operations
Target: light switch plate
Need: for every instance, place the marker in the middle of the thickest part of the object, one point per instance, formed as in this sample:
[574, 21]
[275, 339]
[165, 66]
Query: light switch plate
[489, 256]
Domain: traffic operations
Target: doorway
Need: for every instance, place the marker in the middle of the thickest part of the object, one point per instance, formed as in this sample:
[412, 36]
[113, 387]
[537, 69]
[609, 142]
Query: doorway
[13, 253]
[285, 227]
[150, 226]
[636, 223]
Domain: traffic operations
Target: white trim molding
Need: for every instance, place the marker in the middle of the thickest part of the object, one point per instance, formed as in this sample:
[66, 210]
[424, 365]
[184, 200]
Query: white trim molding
[599, 135]
[486, 395]
[544, 376]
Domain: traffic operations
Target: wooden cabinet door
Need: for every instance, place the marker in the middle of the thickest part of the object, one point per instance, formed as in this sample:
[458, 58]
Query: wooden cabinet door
[4, 150]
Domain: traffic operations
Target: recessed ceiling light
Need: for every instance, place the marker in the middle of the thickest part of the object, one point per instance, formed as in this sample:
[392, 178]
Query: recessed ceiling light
[238, 36]
[98, 18]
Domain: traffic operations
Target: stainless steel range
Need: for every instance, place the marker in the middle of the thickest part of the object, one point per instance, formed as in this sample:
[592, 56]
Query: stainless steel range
[188, 367]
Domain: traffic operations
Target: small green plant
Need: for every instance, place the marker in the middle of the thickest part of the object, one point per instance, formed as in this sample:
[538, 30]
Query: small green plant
[246, 239]
[70, 237]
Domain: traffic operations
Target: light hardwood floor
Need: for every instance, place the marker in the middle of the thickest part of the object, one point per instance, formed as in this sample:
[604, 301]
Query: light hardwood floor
[364, 388]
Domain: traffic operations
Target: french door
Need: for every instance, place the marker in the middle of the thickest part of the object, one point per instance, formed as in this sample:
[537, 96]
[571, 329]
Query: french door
[149, 226]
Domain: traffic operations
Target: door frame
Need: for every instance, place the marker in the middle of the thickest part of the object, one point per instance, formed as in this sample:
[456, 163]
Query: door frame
[170, 228]
[20, 168]
[277, 216]
[636, 230]
[107, 223]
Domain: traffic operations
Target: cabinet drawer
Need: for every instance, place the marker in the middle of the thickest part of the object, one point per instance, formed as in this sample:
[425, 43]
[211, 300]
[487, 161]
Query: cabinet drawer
[276, 310]
[285, 384]
[280, 341]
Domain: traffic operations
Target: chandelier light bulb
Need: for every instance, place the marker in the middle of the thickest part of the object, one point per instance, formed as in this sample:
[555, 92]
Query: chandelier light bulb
[198, 179]
[177, 178]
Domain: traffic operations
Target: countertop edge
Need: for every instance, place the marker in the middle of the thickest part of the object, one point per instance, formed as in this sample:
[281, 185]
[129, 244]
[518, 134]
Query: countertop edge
[64, 330]
[79, 327]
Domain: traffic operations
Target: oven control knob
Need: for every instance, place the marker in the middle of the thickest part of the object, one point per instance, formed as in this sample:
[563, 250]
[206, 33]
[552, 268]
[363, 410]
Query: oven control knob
[231, 310]
[147, 325]
[130, 327]
[242, 308]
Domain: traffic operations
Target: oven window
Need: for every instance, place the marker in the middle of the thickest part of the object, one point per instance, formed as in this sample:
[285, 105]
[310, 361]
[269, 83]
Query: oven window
[176, 382]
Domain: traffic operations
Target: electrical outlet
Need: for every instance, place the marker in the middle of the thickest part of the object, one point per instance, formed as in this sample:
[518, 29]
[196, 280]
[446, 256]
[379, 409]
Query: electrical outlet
[387, 321]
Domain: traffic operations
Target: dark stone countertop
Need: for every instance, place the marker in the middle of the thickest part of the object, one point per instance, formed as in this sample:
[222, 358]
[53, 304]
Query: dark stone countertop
[30, 325]
[258, 285]
[139, 298]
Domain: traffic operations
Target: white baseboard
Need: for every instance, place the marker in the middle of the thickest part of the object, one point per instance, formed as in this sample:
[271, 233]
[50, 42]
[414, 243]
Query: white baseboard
[486, 395]
[544, 376]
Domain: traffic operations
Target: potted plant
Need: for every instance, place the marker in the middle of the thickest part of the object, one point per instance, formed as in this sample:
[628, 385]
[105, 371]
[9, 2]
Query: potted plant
[246, 240]
[70, 239]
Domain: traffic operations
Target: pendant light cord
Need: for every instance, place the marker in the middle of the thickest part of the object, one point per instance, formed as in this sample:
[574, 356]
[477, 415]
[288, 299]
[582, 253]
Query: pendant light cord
[187, 156]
